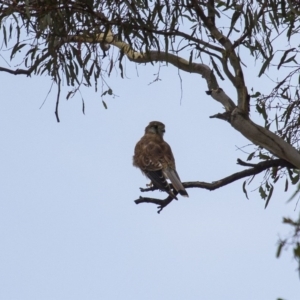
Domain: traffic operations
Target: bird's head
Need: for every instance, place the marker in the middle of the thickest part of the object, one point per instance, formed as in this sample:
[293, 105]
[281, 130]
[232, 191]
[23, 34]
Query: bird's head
[155, 127]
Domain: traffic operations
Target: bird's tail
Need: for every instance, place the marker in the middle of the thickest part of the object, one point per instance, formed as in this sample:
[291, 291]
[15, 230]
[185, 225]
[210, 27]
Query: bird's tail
[159, 180]
[176, 182]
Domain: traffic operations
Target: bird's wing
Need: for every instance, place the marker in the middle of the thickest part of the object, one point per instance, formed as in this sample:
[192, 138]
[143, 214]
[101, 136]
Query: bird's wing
[169, 170]
[147, 155]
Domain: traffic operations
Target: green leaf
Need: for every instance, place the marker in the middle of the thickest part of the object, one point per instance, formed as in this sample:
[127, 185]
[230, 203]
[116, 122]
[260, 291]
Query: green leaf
[282, 60]
[291, 59]
[111, 64]
[87, 58]
[104, 104]
[244, 189]
[250, 156]
[166, 44]
[256, 95]
[90, 72]
[189, 18]
[269, 196]
[69, 94]
[10, 31]
[280, 246]
[286, 185]
[288, 112]
[295, 179]
[274, 172]
[297, 251]
[295, 193]
[121, 66]
[259, 109]
[274, 21]
[215, 66]
[160, 7]
[265, 65]
[83, 106]
[191, 57]
[234, 18]
[16, 48]
[263, 23]
[262, 110]
[262, 192]
[32, 51]
[5, 37]
[220, 3]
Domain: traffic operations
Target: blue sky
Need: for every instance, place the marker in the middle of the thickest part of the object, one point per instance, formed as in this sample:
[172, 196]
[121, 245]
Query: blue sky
[69, 228]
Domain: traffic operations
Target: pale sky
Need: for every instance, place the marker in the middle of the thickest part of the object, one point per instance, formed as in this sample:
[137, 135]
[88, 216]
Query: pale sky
[69, 227]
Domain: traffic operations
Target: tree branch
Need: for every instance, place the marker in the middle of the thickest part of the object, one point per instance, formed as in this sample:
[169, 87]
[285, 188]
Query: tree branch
[211, 10]
[161, 203]
[226, 116]
[239, 117]
[28, 71]
[264, 138]
[152, 56]
[255, 169]
[238, 81]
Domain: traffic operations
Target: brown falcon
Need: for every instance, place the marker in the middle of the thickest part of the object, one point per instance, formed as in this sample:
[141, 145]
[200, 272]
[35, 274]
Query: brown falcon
[155, 159]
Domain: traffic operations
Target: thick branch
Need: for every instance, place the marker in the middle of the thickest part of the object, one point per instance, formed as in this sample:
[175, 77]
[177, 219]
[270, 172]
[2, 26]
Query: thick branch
[238, 80]
[138, 57]
[258, 134]
[264, 138]
[151, 56]
[211, 11]
[239, 117]
[220, 96]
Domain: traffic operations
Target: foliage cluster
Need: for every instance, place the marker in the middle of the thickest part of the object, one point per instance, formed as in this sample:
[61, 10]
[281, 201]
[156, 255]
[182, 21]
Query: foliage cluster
[80, 42]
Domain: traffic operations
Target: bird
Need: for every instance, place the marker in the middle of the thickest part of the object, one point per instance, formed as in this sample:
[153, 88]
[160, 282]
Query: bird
[154, 157]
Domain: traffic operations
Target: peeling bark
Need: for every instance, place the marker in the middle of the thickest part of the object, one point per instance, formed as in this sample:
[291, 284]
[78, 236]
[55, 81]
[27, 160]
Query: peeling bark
[265, 138]
[238, 117]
